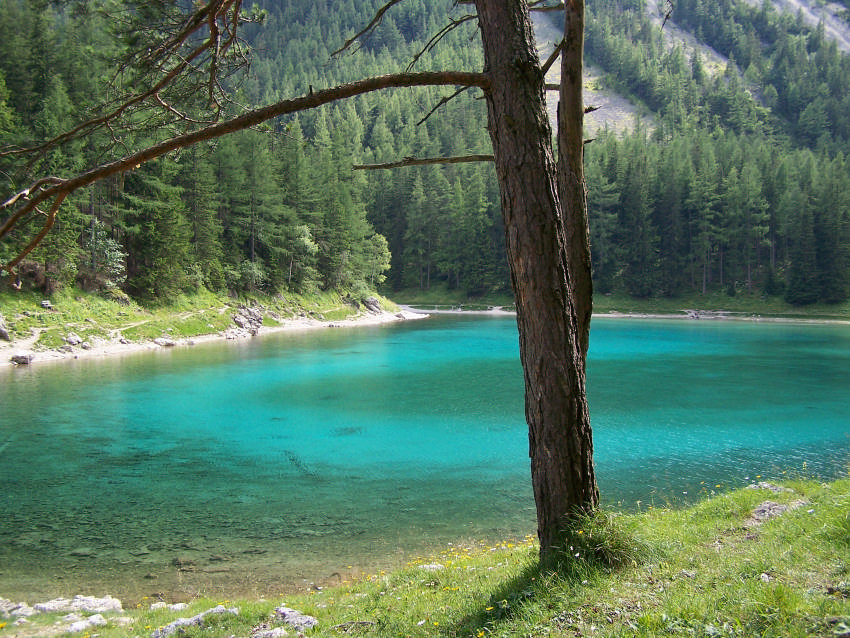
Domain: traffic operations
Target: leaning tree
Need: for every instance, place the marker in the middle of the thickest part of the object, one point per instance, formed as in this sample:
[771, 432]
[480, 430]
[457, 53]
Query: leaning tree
[542, 195]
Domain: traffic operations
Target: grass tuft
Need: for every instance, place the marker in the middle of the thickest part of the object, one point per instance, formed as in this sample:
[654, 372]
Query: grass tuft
[601, 540]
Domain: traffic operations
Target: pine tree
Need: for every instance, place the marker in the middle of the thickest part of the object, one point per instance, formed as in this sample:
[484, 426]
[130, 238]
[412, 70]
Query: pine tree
[156, 235]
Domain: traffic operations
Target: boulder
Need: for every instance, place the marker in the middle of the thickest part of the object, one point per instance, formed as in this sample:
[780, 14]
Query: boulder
[249, 319]
[372, 304]
[87, 623]
[295, 619]
[165, 342]
[4, 331]
[195, 621]
[22, 359]
[73, 339]
[86, 604]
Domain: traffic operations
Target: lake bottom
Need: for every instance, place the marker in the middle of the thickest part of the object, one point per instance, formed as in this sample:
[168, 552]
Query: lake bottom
[299, 461]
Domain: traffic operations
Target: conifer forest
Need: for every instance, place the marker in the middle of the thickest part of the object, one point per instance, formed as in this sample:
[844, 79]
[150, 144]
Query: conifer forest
[733, 176]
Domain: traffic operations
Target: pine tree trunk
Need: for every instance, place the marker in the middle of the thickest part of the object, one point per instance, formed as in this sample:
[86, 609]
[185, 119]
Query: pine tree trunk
[551, 328]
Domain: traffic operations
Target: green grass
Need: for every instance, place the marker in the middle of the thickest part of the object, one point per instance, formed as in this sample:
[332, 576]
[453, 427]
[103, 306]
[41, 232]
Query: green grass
[741, 305]
[699, 571]
[95, 317]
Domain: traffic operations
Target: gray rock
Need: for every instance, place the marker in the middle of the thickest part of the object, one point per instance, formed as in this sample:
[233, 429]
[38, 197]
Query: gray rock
[764, 485]
[165, 342]
[249, 319]
[87, 623]
[22, 359]
[23, 610]
[74, 339]
[4, 331]
[9, 608]
[85, 604]
[372, 304]
[295, 619]
[194, 621]
[65, 348]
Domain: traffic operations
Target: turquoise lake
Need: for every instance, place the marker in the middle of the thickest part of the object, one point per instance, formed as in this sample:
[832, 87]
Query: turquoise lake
[298, 458]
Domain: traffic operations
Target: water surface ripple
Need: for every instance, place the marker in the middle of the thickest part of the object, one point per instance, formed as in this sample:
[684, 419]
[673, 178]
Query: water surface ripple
[295, 458]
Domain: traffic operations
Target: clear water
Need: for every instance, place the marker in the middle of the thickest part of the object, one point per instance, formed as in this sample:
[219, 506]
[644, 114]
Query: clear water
[303, 458]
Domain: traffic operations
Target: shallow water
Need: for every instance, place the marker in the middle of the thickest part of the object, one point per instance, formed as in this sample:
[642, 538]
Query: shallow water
[298, 458]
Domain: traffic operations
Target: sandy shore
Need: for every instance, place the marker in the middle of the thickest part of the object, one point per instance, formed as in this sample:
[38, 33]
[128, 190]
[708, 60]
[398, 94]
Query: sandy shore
[114, 346]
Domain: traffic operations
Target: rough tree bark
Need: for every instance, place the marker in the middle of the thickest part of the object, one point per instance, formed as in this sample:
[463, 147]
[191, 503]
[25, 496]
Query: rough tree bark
[553, 301]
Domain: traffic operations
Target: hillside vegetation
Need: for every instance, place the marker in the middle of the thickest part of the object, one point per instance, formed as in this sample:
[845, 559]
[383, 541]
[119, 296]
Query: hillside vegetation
[732, 177]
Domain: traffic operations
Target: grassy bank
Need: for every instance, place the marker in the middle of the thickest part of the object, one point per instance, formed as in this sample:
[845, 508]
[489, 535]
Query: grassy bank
[94, 317]
[713, 569]
[741, 305]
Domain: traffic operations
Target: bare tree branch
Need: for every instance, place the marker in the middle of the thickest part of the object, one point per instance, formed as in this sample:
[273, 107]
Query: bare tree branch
[545, 68]
[54, 188]
[51, 218]
[444, 100]
[376, 20]
[454, 24]
[415, 161]
[165, 58]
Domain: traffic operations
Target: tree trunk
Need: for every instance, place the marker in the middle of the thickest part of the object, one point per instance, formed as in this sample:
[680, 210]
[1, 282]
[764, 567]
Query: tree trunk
[551, 326]
[571, 185]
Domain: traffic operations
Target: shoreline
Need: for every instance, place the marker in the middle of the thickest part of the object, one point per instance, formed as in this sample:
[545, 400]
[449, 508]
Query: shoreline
[684, 314]
[114, 347]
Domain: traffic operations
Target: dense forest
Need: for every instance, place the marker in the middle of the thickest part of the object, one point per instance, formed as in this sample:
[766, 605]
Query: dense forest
[739, 183]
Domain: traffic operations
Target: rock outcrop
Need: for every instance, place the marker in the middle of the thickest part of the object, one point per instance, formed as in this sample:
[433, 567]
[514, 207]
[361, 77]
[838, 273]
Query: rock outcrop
[248, 320]
[372, 304]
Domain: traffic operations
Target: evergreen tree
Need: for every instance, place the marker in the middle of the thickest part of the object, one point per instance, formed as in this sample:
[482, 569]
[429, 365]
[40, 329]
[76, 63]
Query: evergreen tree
[156, 235]
[198, 186]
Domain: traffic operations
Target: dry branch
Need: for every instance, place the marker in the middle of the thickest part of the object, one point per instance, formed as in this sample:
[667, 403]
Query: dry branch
[415, 161]
[47, 189]
[376, 20]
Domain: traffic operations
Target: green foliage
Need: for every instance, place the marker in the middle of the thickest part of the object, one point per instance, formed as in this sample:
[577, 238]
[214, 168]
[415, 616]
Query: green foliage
[740, 183]
[600, 540]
